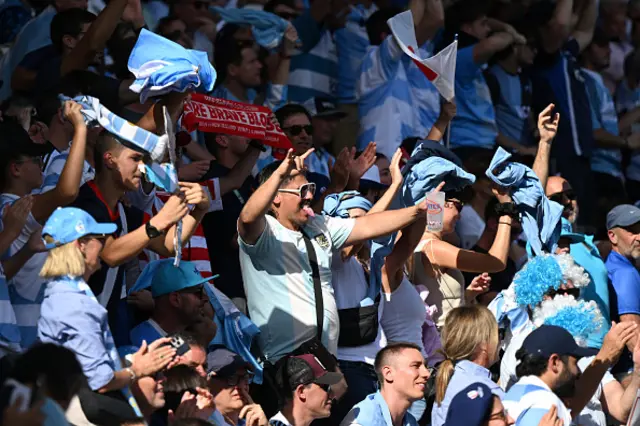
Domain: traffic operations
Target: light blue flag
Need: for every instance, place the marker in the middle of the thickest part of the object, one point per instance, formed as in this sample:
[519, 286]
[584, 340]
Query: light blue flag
[425, 176]
[268, 28]
[95, 114]
[162, 66]
[540, 216]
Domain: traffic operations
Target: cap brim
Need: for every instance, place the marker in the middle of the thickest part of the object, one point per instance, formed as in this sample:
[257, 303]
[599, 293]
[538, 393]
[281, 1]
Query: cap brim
[576, 238]
[103, 229]
[230, 369]
[329, 378]
[331, 114]
[581, 352]
[366, 184]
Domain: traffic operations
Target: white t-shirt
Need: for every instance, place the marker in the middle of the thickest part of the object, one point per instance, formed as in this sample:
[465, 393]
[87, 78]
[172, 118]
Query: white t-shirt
[469, 228]
[279, 284]
[350, 286]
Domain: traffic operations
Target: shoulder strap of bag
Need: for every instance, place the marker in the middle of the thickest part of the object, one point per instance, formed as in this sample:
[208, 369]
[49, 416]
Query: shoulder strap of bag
[317, 287]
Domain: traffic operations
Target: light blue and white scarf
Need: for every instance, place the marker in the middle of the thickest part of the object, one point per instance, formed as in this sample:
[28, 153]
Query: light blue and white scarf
[268, 28]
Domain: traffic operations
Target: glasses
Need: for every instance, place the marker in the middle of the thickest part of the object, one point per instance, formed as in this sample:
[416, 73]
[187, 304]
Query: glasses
[296, 130]
[234, 380]
[575, 292]
[454, 203]
[559, 197]
[307, 188]
[326, 388]
[197, 290]
[34, 160]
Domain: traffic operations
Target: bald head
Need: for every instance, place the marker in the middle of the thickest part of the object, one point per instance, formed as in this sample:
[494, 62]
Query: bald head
[556, 184]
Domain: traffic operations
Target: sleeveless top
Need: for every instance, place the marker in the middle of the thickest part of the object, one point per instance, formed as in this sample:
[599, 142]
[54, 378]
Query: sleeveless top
[403, 315]
[446, 288]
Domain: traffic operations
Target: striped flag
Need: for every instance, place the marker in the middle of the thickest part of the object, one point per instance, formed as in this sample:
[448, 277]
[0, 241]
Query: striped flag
[439, 69]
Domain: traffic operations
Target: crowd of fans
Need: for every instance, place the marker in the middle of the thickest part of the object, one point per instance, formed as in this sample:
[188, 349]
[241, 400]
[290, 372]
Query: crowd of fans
[306, 286]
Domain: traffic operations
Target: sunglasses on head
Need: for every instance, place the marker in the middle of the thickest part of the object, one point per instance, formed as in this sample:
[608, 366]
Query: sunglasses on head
[454, 203]
[297, 129]
[306, 188]
[559, 197]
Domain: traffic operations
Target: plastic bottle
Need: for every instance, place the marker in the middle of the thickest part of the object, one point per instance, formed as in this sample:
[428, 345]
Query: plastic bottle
[435, 211]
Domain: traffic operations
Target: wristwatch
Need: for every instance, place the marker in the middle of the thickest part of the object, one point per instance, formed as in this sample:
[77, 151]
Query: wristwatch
[507, 209]
[152, 231]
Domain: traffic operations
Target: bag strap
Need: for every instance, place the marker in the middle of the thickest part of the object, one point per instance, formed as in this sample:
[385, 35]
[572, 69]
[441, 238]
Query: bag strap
[317, 286]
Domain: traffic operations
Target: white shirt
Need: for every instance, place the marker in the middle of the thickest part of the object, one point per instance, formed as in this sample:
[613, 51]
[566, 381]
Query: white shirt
[350, 286]
[279, 285]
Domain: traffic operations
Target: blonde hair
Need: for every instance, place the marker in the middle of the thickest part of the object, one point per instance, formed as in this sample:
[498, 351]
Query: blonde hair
[63, 260]
[465, 329]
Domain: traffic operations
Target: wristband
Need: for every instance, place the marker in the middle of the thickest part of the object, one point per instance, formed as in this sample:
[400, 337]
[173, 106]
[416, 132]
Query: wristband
[132, 374]
[506, 209]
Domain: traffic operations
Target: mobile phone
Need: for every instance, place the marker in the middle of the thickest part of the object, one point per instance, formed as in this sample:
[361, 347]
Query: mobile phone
[179, 345]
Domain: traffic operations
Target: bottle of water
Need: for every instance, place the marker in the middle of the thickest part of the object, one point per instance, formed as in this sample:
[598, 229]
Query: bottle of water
[435, 211]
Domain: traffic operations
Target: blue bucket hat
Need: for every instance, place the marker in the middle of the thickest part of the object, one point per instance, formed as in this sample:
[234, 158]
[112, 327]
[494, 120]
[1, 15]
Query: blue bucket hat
[68, 224]
[169, 278]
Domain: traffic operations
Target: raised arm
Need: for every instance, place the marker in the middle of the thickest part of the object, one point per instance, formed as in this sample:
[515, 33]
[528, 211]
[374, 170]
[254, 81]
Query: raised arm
[617, 400]
[428, 18]
[392, 270]
[547, 127]
[484, 50]
[583, 31]
[447, 112]
[396, 183]
[557, 31]
[446, 255]
[66, 190]
[252, 220]
[379, 224]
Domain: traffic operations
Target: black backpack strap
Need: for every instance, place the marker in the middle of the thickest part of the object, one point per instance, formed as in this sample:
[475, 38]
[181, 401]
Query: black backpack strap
[317, 286]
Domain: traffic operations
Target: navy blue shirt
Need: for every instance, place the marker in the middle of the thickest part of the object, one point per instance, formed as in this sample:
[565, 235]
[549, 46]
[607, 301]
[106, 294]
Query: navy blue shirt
[557, 78]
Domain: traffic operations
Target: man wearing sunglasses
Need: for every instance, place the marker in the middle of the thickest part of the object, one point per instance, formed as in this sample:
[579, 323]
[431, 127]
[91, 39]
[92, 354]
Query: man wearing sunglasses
[278, 276]
[583, 250]
[179, 298]
[623, 229]
[305, 386]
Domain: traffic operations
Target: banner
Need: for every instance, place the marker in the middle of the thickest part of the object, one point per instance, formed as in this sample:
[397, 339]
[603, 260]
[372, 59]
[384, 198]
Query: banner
[214, 115]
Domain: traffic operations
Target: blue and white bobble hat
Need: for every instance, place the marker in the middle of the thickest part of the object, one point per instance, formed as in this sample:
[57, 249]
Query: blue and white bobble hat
[578, 317]
[68, 224]
[542, 273]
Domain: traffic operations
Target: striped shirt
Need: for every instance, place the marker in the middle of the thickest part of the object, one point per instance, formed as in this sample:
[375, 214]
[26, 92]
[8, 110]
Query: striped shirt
[603, 116]
[26, 288]
[352, 42]
[10, 337]
[395, 99]
[54, 167]
[530, 399]
[314, 71]
[195, 250]
[320, 161]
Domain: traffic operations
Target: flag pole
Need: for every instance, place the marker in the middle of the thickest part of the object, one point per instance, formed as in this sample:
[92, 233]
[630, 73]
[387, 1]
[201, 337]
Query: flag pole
[448, 142]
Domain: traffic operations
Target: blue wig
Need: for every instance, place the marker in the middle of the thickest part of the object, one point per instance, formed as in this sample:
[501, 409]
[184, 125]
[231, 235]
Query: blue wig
[536, 278]
[578, 317]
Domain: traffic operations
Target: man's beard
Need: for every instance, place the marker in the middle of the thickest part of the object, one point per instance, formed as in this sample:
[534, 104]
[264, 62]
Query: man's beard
[566, 388]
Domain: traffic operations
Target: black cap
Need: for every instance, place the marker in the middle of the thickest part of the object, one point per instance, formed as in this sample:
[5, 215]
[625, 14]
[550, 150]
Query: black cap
[471, 406]
[224, 362]
[550, 339]
[15, 142]
[323, 108]
[303, 370]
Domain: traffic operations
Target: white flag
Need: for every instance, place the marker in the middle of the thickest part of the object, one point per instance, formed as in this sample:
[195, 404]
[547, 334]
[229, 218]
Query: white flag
[439, 69]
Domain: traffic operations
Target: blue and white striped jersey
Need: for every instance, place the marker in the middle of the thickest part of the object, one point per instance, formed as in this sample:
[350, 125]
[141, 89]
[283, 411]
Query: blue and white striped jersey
[395, 99]
[530, 399]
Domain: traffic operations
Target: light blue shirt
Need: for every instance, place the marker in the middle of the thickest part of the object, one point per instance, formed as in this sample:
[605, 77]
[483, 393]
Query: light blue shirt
[475, 122]
[530, 399]
[279, 284]
[395, 99]
[603, 116]
[598, 288]
[626, 100]
[79, 323]
[146, 331]
[512, 103]
[352, 42]
[320, 161]
[374, 411]
[465, 374]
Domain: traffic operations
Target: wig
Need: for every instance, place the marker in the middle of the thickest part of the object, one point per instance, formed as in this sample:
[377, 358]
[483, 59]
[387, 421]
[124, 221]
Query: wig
[578, 317]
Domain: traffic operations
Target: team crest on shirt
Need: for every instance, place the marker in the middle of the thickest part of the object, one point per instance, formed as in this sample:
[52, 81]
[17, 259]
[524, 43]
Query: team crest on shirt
[322, 241]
